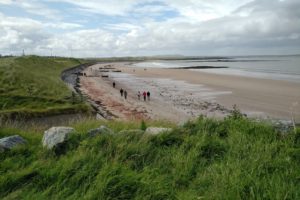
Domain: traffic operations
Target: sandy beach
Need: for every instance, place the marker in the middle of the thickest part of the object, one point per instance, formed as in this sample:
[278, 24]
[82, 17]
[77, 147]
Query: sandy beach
[182, 94]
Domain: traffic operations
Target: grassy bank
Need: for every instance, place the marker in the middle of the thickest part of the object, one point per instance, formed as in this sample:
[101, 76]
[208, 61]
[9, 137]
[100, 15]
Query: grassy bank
[205, 159]
[31, 86]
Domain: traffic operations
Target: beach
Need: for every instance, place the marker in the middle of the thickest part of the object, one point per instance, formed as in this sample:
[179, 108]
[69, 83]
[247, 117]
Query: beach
[182, 94]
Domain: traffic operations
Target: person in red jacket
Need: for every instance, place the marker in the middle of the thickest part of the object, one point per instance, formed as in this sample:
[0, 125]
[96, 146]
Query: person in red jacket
[144, 95]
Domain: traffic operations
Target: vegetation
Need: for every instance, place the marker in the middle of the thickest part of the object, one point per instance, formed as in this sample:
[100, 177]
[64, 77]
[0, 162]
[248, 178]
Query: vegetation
[236, 158]
[31, 86]
[143, 125]
[204, 159]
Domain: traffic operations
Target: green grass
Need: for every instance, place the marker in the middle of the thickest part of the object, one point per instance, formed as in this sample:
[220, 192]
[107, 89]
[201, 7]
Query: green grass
[31, 86]
[203, 159]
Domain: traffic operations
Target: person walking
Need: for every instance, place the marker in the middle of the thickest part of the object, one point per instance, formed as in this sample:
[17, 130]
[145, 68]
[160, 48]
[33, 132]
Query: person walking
[114, 84]
[121, 91]
[148, 95]
[139, 95]
[144, 95]
[125, 94]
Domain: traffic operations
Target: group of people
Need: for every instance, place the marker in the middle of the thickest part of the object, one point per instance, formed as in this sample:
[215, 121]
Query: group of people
[123, 92]
[146, 95]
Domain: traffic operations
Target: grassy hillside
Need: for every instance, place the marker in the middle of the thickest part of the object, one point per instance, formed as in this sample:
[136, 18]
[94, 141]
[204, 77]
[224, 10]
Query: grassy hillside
[32, 85]
[206, 159]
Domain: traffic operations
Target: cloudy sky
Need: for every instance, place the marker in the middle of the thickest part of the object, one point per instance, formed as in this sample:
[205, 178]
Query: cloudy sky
[102, 28]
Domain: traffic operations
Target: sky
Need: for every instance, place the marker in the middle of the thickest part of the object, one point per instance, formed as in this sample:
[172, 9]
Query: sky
[109, 28]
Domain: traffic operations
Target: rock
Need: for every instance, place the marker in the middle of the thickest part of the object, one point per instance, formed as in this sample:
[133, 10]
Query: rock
[132, 131]
[98, 131]
[99, 117]
[56, 136]
[157, 130]
[10, 142]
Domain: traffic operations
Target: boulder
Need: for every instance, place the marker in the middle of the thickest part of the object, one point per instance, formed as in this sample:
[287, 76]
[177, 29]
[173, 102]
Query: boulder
[56, 136]
[132, 131]
[157, 130]
[98, 131]
[10, 142]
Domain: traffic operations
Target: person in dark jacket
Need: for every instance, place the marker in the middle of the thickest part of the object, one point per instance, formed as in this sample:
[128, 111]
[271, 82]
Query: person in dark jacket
[121, 91]
[125, 94]
[148, 95]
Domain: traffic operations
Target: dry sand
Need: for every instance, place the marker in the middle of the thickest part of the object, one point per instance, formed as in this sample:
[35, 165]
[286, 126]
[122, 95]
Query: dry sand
[181, 94]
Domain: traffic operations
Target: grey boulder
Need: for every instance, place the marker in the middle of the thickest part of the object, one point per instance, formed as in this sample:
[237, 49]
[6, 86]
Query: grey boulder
[98, 131]
[56, 136]
[10, 142]
[156, 130]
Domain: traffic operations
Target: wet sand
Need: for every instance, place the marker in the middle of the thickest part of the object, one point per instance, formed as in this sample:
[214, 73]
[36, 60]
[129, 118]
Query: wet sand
[181, 94]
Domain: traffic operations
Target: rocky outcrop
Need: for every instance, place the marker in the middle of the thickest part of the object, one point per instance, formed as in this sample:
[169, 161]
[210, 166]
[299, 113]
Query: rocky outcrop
[56, 136]
[156, 130]
[10, 142]
[72, 78]
[99, 131]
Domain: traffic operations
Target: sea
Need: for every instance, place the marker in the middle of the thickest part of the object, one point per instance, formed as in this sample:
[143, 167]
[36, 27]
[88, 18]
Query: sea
[268, 67]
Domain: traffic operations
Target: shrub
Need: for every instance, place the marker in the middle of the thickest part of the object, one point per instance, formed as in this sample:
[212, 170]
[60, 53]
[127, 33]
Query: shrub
[236, 113]
[143, 125]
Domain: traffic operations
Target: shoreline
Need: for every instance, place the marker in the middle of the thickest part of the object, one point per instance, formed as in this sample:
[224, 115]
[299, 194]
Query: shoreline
[211, 95]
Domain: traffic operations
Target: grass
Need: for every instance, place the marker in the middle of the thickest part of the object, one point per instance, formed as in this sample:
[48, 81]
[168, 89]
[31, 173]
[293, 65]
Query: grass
[204, 159]
[31, 86]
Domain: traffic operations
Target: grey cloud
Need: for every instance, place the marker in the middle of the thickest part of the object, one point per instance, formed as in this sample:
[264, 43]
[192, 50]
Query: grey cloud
[269, 24]
[260, 26]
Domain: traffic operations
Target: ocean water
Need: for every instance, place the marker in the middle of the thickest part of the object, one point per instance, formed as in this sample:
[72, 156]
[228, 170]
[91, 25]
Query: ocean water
[270, 67]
